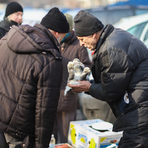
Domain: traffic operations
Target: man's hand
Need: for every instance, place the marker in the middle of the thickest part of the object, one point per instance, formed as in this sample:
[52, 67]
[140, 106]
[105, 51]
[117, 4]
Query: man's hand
[80, 87]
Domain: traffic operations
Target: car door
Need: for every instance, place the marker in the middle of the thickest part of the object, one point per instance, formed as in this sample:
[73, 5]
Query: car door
[145, 35]
[140, 31]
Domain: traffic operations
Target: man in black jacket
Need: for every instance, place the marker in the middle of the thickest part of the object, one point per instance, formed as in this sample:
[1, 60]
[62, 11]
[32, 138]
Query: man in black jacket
[30, 78]
[13, 16]
[120, 74]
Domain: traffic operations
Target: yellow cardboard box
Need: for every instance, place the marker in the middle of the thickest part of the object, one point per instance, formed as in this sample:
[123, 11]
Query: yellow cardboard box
[92, 134]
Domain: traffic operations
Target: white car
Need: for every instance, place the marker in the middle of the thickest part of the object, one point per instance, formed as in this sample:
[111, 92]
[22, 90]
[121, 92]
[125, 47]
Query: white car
[136, 25]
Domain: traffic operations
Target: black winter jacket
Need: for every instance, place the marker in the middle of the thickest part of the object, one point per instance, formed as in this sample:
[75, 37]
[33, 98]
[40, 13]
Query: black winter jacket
[30, 79]
[120, 66]
[5, 26]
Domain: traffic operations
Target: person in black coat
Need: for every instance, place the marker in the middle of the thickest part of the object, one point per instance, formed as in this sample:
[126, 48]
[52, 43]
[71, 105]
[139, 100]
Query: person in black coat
[13, 16]
[120, 74]
[30, 78]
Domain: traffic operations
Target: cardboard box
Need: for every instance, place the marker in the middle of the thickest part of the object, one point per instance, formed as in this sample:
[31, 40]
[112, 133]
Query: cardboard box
[92, 134]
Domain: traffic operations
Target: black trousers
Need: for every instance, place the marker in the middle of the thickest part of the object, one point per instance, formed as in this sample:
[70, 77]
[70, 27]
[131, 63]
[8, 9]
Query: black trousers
[3, 143]
[134, 138]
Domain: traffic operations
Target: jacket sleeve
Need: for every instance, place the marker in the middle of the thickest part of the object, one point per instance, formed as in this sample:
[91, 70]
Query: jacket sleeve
[116, 70]
[48, 90]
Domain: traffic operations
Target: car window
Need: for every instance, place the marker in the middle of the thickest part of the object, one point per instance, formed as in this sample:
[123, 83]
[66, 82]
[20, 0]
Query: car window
[146, 38]
[146, 43]
[137, 29]
[146, 35]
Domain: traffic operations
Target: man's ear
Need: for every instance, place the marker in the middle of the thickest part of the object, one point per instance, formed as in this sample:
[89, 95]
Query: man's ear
[94, 35]
[56, 34]
[97, 35]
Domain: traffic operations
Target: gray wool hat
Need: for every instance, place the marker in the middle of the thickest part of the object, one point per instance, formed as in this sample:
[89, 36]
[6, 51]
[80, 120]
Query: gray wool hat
[86, 24]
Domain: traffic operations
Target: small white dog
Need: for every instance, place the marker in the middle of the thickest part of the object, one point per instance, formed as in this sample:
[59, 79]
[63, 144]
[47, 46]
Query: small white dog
[77, 72]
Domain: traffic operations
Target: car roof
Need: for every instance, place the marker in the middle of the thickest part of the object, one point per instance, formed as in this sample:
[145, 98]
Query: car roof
[128, 22]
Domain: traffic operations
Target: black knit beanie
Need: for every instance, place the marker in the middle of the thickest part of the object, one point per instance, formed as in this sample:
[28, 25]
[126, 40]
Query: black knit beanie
[86, 24]
[55, 20]
[13, 7]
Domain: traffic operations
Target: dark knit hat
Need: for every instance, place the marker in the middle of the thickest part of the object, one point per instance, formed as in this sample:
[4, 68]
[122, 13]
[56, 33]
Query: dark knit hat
[55, 20]
[13, 7]
[86, 24]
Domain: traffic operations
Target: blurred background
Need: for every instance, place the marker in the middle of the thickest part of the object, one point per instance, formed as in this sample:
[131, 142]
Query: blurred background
[63, 3]
[108, 11]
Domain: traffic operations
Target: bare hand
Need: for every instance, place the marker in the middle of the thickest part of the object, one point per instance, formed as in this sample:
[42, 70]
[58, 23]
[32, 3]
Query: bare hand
[80, 87]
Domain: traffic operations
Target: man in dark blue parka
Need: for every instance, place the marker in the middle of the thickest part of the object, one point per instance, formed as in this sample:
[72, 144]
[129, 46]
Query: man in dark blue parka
[120, 71]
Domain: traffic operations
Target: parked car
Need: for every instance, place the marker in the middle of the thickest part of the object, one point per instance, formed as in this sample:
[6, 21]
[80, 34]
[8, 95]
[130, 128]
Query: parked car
[136, 25]
[112, 14]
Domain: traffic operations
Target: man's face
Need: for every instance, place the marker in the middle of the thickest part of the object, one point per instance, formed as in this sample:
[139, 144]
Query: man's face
[16, 17]
[88, 41]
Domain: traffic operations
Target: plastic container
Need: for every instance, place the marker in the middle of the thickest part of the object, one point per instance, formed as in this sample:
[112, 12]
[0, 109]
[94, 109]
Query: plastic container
[52, 142]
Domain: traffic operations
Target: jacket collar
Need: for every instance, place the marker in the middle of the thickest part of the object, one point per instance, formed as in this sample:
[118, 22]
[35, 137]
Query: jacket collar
[49, 34]
[69, 38]
[108, 29]
[6, 24]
